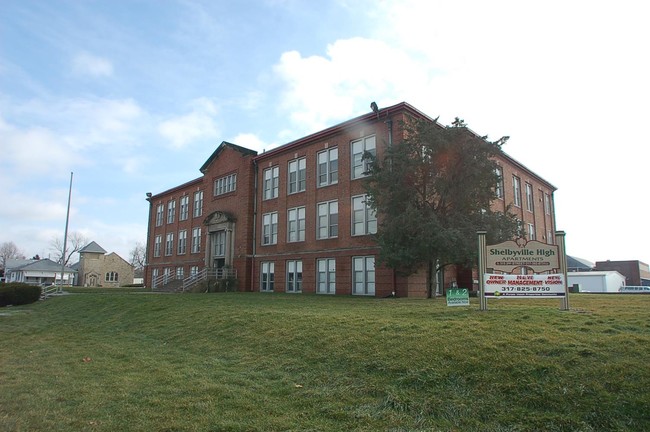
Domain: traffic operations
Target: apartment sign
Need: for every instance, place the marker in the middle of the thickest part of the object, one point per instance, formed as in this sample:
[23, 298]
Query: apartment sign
[524, 286]
[537, 256]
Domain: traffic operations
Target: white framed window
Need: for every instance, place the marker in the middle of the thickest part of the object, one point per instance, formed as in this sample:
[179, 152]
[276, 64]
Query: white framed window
[169, 244]
[296, 224]
[271, 182]
[297, 175]
[194, 270]
[326, 276]
[270, 228]
[267, 275]
[328, 167]
[363, 277]
[154, 273]
[111, 276]
[328, 220]
[364, 219]
[167, 274]
[225, 184]
[184, 210]
[180, 273]
[498, 191]
[196, 240]
[529, 197]
[294, 276]
[198, 203]
[160, 210]
[516, 189]
[182, 242]
[531, 231]
[220, 244]
[171, 211]
[547, 204]
[360, 166]
[157, 245]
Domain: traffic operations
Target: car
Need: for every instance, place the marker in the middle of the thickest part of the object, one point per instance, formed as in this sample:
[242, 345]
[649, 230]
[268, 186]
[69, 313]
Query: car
[635, 290]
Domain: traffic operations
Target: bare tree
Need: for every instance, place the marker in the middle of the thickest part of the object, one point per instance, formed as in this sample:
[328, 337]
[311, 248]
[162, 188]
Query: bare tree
[9, 250]
[76, 242]
[138, 256]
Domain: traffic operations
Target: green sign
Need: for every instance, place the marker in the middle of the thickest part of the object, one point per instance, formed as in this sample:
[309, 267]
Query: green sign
[457, 297]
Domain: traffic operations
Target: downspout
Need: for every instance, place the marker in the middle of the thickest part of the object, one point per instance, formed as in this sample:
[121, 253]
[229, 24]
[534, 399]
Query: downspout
[255, 179]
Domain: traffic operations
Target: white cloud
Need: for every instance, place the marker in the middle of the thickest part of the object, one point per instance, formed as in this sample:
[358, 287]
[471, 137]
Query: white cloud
[88, 64]
[251, 141]
[198, 124]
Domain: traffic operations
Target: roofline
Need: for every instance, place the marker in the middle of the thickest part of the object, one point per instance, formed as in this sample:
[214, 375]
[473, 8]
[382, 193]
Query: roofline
[364, 118]
[528, 170]
[182, 186]
[243, 150]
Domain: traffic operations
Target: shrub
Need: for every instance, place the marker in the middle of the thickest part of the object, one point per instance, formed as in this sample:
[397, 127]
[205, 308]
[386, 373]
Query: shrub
[16, 293]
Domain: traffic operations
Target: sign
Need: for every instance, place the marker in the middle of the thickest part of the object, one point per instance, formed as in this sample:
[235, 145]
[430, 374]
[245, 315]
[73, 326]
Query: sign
[457, 297]
[526, 286]
[537, 256]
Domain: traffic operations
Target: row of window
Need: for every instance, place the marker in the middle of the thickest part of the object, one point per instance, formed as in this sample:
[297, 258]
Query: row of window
[364, 221]
[184, 209]
[182, 243]
[363, 276]
[516, 189]
[327, 169]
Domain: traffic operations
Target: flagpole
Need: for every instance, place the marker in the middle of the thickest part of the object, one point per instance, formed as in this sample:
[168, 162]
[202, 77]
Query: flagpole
[65, 236]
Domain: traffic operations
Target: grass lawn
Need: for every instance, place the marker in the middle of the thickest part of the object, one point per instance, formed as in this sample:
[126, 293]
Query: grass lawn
[276, 362]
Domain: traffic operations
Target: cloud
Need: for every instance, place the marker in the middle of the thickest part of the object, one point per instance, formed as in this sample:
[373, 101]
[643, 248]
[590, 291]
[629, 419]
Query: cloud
[251, 141]
[88, 64]
[321, 90]
[198, 124]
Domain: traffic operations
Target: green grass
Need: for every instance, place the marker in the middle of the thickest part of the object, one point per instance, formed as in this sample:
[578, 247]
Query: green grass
[278, 362]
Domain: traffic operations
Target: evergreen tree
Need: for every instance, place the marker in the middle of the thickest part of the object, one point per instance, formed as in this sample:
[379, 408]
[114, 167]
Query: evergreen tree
[431, 192]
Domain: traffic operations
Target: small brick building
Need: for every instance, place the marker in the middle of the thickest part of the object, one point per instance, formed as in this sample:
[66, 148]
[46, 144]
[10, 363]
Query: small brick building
[96, 268]
[294, 219]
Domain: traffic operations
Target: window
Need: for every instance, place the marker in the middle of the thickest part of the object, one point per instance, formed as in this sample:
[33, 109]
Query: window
[111, 276]
[294, 276]
[516, 188]
[171, 211]
[296, 224]
[363, 282]
[328, 220]
[326, 277]
[360, 166]
[270, 228]
[169, 244]
[198, 203]
[529, 197]
[225, 184]
[297, 175]
[328, 167]
[549, 237]
[196, 240]
[167, 273]
[157, 244]
[194, 270]
[499, 188]
[271, 182]
[184, 208]
[154, 273]
[531, 231]
[364, 220]
[182, 242]
[159, 214]
[179, 273]
[220, 244]
[268, 276]
[547, 204]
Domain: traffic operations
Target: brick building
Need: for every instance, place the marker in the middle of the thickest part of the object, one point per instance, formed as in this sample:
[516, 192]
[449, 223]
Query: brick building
[637, 273]
[294, 219]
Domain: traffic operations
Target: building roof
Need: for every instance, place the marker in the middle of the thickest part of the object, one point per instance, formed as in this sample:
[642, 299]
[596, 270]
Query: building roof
[575, 262]
[42, 265]
[595, 273]
[225, 144]
[92, 247]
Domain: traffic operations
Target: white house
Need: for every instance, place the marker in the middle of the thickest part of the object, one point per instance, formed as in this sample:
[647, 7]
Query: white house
[597, 281]
[37, 272]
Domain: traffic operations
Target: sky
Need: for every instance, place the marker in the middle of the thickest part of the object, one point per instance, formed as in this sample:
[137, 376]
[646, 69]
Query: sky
[134, 96]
